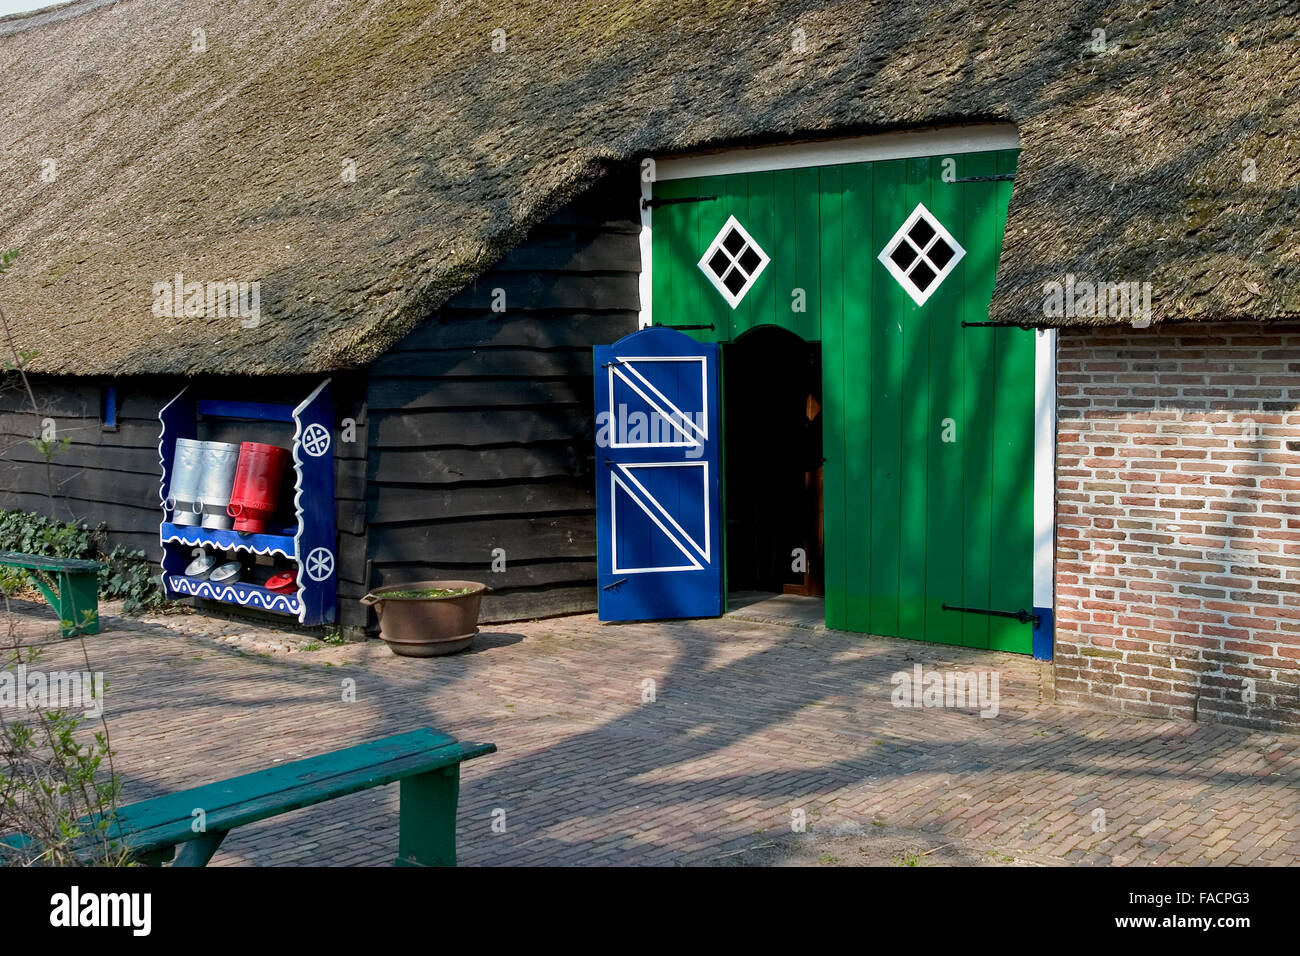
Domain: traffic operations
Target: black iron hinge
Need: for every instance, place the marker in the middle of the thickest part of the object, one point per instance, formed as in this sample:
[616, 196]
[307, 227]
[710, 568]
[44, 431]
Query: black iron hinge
[661, 325]
[656, 203]
[997, 178]
[1023, 616]
[998, 325]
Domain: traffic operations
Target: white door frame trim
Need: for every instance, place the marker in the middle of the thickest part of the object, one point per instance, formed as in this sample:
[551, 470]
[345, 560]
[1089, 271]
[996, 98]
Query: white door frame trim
[1044, 586]
[908, 144]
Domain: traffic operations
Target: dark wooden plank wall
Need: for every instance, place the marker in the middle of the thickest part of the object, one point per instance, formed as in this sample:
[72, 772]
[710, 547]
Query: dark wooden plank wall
[102, 477]
[481, 428]
[111, 477]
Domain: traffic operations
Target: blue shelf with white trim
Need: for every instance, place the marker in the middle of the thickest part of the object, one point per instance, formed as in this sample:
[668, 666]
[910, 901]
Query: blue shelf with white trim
[237, 592]
[191, 536]
[311, 542]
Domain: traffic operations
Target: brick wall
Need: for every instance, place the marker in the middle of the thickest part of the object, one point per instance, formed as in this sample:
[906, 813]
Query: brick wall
[1178, 537]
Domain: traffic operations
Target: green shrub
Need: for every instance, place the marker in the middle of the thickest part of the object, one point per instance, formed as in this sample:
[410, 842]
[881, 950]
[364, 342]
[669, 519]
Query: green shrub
[129, 576]
[54, 791]
[58, 791]
[37, 534]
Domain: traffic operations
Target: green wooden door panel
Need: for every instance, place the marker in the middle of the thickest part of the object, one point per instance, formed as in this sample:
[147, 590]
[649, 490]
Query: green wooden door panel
[914, 429]
[889, 306]
[735, 202]
[1011, 584]
[855, 362]
[671, 245]
[804, 311]
[927, 426]
[830, 245]
[945, 432]
[783, 270]
[709, 217]
[979, 214]
[761, 224]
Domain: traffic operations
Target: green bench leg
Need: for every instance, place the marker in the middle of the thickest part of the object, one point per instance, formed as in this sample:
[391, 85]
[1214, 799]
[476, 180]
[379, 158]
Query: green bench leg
[197, 852]
[427, 825]
[78, 603]
[154, 857]
[75, 599]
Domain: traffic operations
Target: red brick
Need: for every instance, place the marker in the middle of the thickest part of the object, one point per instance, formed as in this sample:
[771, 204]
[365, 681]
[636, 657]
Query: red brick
[1178, 531]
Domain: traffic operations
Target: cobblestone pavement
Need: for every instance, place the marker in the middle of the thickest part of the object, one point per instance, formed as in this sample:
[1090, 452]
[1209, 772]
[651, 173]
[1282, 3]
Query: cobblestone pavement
[748, 723]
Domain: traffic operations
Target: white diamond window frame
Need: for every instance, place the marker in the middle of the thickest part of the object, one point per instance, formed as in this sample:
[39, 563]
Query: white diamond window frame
[903, 277]
[733, 298]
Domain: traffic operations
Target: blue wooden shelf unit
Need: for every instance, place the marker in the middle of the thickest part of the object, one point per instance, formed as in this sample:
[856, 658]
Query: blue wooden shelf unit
[310, 542]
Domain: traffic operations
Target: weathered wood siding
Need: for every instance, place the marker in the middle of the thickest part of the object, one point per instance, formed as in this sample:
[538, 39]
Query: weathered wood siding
[102, 477]
[481, 429]
[111, 478]
[475, 433]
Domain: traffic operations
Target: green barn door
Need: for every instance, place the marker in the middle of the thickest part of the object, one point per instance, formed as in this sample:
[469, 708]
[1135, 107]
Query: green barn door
[927, 426]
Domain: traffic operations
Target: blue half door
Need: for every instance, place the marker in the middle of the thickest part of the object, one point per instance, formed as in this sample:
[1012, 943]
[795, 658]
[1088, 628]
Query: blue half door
[658, 491]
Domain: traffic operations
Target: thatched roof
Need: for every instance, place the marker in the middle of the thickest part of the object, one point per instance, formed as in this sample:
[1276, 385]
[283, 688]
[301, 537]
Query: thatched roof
[226, 164]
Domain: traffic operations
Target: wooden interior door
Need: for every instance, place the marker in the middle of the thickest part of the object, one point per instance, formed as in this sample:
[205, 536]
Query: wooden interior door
[813, 504]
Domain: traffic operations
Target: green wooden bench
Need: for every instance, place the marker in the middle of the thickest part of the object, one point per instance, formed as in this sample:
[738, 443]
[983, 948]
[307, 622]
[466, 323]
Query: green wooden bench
[425, 761]
[74, 594]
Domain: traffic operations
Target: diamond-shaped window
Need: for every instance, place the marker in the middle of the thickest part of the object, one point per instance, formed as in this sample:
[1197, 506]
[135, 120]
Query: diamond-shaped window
[921, 233]
[733, 261]
[922, 275]
[903, 254]
[921, 254]
[939, 253]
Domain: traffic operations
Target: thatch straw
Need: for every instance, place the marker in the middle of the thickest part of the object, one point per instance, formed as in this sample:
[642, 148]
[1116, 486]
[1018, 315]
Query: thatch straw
[226, 164]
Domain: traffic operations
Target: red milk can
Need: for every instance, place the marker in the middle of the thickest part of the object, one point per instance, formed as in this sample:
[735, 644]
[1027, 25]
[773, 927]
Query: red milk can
[257, 485]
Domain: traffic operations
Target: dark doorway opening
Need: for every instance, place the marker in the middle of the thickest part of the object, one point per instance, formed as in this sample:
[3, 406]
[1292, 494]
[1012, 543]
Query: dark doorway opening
[772, 397]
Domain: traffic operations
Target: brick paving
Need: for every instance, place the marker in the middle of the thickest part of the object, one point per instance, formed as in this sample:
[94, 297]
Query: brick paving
[748, 723]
